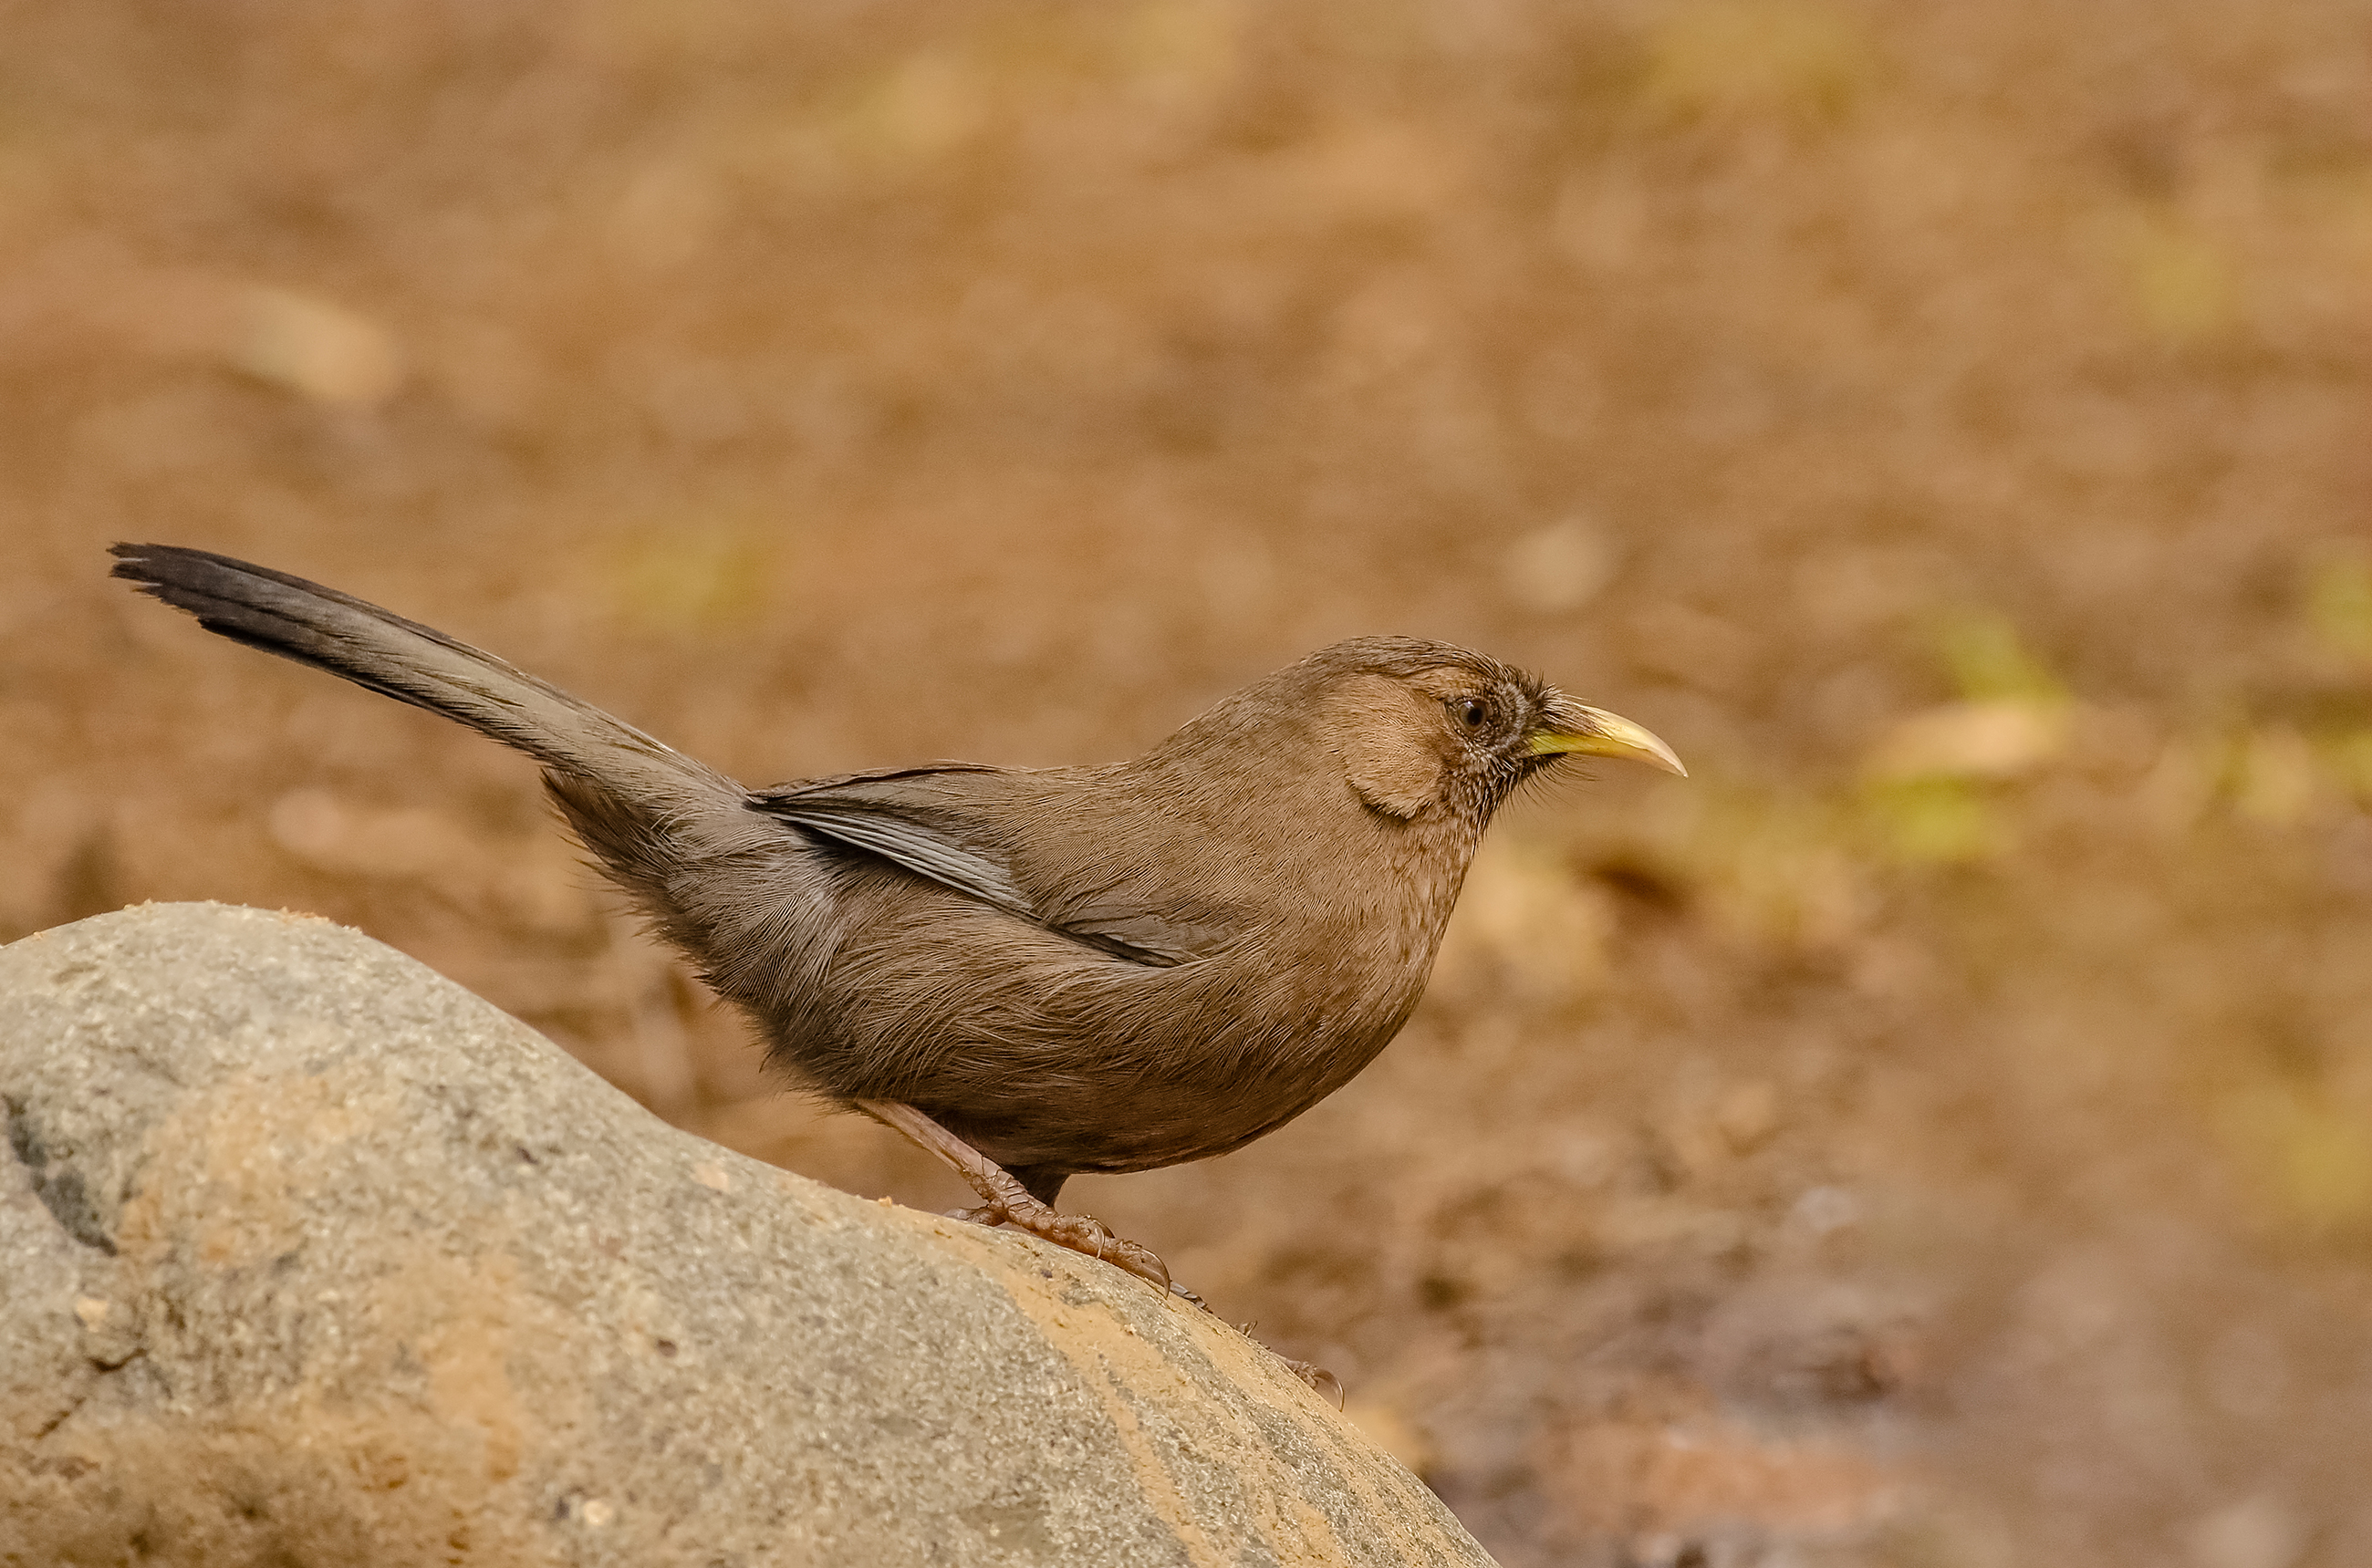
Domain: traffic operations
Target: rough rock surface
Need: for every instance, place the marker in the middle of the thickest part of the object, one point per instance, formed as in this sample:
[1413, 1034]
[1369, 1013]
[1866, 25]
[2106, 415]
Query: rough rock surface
[308, 1255]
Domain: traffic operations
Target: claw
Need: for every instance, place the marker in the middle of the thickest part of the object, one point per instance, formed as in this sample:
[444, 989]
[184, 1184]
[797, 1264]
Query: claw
[1140, 1262]
[1317, 1377]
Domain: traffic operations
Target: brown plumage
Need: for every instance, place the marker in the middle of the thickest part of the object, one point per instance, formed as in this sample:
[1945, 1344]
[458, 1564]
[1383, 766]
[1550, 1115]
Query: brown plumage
[1047, 971]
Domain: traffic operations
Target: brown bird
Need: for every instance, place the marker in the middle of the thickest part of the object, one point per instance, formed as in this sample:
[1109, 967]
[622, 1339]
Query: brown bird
[1030, 972]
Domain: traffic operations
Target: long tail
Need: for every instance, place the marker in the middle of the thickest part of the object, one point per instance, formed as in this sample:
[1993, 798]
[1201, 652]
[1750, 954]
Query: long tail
[578, 744]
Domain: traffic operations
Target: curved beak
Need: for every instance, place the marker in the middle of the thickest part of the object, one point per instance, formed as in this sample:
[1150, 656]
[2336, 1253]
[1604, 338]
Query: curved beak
[1568, 726]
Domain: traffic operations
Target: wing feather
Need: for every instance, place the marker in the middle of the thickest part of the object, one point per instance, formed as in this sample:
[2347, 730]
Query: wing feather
[917, 818]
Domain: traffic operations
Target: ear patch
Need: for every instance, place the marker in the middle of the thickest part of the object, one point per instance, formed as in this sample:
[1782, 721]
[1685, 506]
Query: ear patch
[1385, 735]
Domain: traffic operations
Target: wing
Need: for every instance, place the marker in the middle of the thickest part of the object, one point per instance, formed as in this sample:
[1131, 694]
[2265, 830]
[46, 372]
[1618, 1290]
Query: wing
[969, 828]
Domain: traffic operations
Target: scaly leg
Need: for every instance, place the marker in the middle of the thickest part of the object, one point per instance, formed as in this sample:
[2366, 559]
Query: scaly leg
[1005, 1201]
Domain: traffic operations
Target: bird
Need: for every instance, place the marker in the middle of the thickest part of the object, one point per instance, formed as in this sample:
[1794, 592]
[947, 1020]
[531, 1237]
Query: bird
[1030, 973]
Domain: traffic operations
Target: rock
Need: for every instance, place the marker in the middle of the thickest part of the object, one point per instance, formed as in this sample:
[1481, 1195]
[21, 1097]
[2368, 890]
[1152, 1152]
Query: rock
[311, 1256]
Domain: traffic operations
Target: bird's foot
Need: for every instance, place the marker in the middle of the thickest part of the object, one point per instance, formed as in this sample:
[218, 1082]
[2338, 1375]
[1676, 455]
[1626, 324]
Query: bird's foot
[1004, 1201]
[1080, 1233]
[1085, 1233]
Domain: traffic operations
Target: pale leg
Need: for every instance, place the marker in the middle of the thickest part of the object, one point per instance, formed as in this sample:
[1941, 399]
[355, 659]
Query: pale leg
[1005, 1201]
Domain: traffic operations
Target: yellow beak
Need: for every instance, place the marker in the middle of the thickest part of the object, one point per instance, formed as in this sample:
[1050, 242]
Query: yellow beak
[1580, 730]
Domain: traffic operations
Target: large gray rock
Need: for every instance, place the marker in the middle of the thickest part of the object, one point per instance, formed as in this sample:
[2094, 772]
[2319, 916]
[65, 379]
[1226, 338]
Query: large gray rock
[309, 1256]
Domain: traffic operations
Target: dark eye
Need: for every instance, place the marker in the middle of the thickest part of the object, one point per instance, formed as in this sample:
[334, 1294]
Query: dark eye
[1471, 714]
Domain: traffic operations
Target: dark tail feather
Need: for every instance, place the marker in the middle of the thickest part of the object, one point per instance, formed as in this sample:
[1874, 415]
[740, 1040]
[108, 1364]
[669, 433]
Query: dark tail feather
[419, 664]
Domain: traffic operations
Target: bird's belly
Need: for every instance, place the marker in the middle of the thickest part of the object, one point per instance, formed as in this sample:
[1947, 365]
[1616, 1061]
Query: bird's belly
[1174, 1094]
[1041, 1051]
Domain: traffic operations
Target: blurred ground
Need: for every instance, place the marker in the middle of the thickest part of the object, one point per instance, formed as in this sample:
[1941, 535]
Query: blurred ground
[1939, 1133]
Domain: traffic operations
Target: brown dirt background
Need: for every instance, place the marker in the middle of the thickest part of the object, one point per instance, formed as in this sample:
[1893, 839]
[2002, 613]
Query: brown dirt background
[1938, 1133]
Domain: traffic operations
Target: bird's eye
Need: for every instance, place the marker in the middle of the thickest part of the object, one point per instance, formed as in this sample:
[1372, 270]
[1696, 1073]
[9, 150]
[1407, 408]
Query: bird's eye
[1472, 712]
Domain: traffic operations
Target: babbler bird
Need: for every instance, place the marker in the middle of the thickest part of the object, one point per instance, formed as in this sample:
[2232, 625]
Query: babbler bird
[1030, 972]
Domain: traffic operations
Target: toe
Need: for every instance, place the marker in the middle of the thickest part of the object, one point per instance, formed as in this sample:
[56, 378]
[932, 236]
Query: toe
[990, 1214]
[1085, 1233]
[1137, 1260]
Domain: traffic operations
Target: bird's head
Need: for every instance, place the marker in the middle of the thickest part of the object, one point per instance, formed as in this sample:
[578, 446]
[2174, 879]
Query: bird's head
[1427, 726]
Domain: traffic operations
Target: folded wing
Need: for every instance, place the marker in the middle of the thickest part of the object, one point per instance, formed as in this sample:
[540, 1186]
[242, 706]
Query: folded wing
[971, 828]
